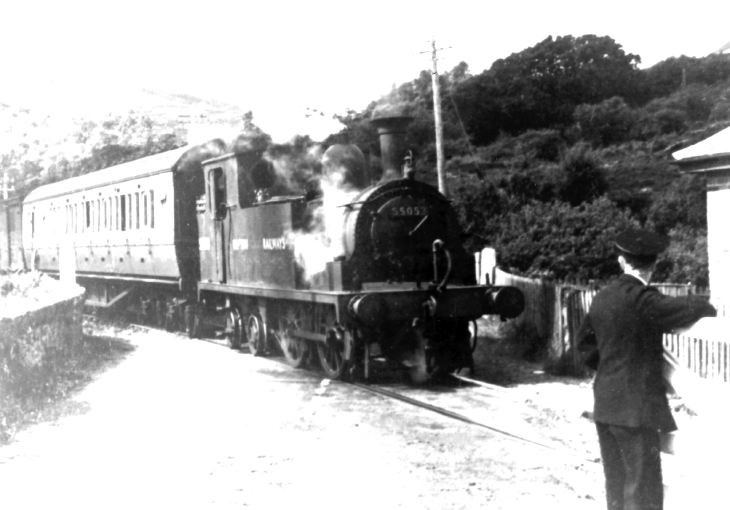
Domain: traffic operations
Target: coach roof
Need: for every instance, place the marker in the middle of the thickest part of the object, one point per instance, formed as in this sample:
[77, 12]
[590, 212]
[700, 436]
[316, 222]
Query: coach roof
[150, 165]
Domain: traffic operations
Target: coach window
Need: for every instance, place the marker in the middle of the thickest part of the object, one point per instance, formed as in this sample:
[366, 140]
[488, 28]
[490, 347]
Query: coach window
[145, 209]
[123, 212]
[136, 210]
[138, 213]
[152, 209]
[130, 221]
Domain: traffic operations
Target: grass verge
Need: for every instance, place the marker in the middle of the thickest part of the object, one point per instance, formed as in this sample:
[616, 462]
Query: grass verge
[46, 393]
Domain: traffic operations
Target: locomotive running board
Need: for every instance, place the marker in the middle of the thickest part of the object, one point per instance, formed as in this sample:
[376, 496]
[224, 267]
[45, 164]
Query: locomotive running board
[125, 278]
[312, 296]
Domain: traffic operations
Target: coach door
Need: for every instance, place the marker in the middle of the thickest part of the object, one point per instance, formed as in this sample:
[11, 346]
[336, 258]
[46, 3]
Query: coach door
[219, 215]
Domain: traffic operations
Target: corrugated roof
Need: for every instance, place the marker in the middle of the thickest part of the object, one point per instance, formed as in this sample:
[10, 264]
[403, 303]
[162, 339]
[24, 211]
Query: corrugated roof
[719, 143]
[117, 173]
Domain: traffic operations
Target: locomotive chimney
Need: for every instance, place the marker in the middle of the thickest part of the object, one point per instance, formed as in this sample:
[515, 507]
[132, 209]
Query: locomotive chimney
[391, 131]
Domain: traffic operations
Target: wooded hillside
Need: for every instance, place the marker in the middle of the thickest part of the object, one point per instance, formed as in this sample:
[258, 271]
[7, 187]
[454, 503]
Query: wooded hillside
[555, 148]
[549, 152]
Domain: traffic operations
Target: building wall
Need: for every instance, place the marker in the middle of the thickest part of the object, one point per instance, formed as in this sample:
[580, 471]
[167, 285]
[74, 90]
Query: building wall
[718, 239]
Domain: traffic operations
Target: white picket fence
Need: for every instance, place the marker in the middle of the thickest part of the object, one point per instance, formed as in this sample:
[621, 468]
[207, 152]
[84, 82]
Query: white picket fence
[704, 348]
[555, 311]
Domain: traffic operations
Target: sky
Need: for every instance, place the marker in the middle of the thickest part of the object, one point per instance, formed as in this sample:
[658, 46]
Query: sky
[280, 58]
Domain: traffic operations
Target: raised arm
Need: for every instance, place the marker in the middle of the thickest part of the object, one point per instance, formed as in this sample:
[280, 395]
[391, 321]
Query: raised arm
[669, 313]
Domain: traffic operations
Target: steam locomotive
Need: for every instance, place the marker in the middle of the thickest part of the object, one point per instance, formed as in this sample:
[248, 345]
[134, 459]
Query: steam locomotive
[192, 238]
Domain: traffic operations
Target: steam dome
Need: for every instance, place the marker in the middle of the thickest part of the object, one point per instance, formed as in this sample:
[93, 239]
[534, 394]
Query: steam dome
[348, 162]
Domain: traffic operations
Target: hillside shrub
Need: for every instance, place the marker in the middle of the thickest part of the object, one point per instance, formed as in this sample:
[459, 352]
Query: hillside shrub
[682, 203]
[560, 241]
[608, 122]
[581, 178]
[685, 260]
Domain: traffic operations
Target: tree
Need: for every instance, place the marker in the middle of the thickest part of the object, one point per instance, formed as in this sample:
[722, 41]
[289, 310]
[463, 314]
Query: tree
[605, 123]
[541, 86]
[668, 76]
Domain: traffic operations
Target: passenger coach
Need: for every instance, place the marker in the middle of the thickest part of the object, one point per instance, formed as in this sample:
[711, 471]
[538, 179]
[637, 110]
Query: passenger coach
[119, 225]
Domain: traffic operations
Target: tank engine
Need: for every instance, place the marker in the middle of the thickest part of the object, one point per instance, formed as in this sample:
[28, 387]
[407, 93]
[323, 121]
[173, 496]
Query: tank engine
[401, 286]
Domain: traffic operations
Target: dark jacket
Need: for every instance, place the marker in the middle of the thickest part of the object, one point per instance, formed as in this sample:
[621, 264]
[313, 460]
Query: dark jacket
[621, 337]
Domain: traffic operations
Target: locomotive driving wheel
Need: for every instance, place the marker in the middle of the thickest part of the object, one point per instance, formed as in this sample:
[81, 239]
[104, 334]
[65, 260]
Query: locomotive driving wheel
[234, 328]
[331, 353]
[294, 349]
[255, 335]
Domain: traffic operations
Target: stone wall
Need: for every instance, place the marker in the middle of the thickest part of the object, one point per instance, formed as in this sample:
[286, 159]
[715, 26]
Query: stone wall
[35, 343]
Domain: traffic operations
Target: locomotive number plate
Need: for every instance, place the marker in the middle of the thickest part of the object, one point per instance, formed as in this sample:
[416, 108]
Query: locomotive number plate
[400, 211]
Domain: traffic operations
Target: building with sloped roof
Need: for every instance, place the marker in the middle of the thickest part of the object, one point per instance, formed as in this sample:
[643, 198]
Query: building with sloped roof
[711, 158]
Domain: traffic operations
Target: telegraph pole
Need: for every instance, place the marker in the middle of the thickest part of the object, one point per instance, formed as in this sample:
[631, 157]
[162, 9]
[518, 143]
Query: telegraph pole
[5, 185]
[437, 120]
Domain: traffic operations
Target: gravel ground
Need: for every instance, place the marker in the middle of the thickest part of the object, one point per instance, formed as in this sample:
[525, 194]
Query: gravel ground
[188, 424]
[693, 471]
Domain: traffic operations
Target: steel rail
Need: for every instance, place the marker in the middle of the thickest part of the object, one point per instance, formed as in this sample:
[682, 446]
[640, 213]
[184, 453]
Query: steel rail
[460, 417]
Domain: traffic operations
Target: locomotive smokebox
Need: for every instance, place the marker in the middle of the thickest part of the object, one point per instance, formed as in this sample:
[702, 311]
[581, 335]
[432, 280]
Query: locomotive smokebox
[391, 131]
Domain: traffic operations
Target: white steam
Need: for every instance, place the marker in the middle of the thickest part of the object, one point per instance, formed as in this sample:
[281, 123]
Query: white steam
[325, 240]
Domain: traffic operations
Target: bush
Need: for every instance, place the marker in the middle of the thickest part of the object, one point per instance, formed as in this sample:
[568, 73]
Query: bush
[685, 261]
[560, 241]
[608, 122]
[582, 179]
[683, 203]
[720, 110]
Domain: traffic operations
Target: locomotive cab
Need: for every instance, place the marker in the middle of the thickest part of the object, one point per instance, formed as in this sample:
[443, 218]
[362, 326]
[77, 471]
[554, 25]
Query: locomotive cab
[244, 235]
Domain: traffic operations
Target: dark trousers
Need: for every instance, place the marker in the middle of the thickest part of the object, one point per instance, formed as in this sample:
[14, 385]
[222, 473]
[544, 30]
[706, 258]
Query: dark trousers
[632, 465]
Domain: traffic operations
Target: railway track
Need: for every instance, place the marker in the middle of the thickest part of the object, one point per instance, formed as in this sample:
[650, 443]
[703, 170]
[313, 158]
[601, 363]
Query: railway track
[503, 432]
[491, 391]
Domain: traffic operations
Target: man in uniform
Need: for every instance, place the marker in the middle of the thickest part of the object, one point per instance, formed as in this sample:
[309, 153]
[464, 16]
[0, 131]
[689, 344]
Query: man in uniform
[621, 338]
